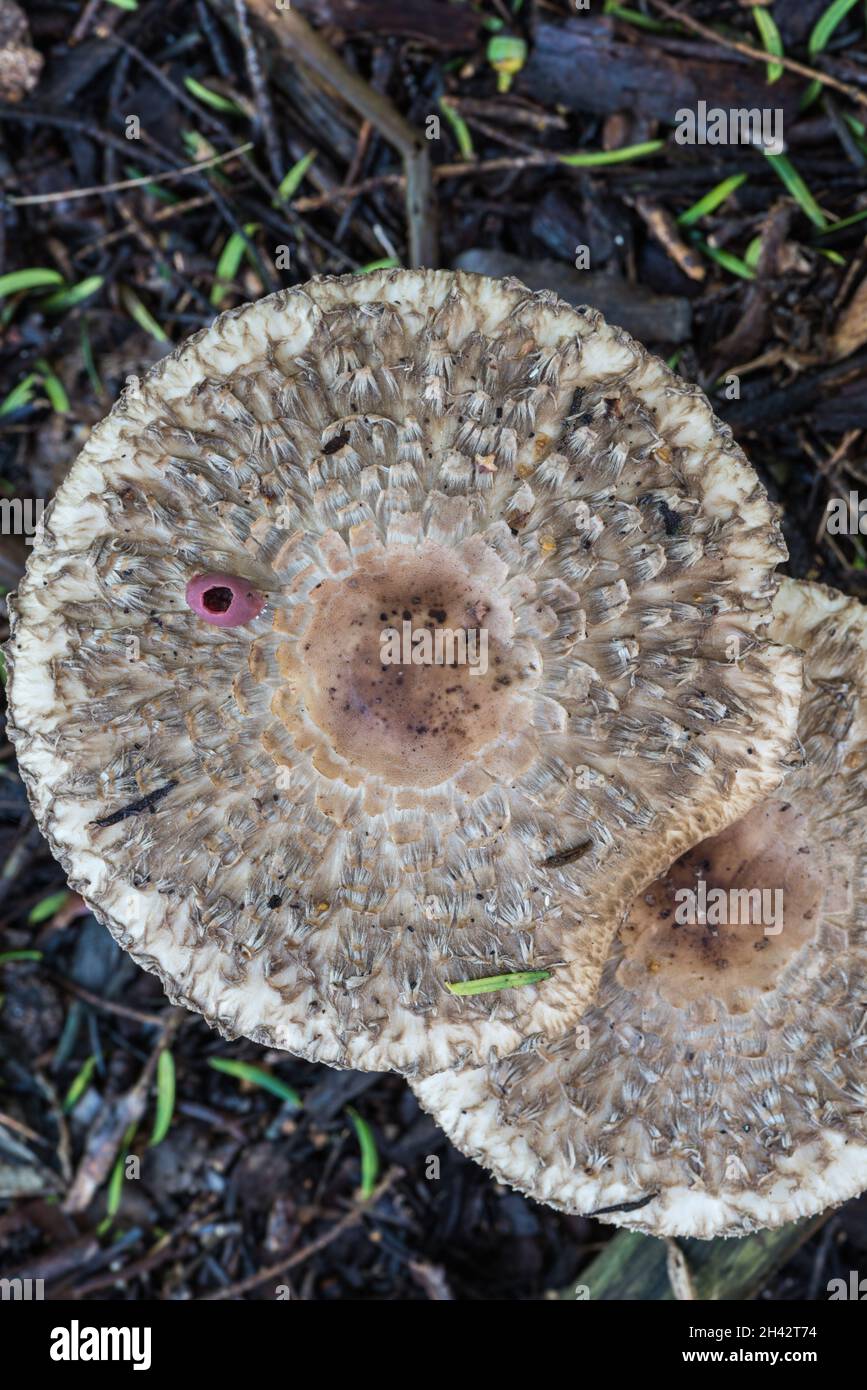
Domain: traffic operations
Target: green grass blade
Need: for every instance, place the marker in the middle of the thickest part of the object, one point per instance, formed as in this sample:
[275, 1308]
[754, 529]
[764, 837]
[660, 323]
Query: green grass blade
[641, 21]
[33, 279]
[712, 200]
[48, 906]
[733, 264]
[826, 24]
[753, 253]
[215, 100]
[79, 1084]
[165, 1097]
[229, 263]
[20, 395]
[789, 175]
[10, 957]
[369, 1153]
[459, 127]
[771, 41]
[256, 1076]
[54, 388]
[490, 983]
[819, 38]
[156, 190]
[115, 1182]
[386, 263]
[591, 159]
[75, 294]
[291, 182]
[142, 315]
[845, 222]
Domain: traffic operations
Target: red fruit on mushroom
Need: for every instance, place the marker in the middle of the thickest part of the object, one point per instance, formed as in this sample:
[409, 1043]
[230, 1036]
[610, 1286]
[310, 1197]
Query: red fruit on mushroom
[224, 599]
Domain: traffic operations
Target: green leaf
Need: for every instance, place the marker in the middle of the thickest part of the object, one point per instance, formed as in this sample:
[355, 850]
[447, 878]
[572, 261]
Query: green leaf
[212, 99]
[386, 263]
[753, 253]
[712, 200]
[506, 55]
[197, 146]
[156, 190]
[115, 1182]
[256, 1076]
[165, 1097]
[589, 159]
[79, 1085]
[833, 256]
[771, 39]
[459, 128]
[845, 222]
[488, 984]
[33, 279]
[789, 175]
[48, 906]
[733, 264]
[229, 262]
[9, 957]
[827, 23]
[291, 182]
[641, 21]
[125, 4]
[142, 315]
[818, 41]
[369, 1154]
[75, 294]
[20, 395]
[54, 388]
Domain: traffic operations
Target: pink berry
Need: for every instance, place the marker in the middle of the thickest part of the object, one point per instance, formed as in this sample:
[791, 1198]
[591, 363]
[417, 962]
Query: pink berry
[224, 599]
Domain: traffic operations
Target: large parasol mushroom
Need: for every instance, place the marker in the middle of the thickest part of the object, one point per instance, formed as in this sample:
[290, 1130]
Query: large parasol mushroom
[395, 866]
[719, 1083]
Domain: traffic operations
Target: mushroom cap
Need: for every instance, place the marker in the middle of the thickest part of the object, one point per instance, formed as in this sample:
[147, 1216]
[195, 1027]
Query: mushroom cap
[718, 1085]
[304, 847]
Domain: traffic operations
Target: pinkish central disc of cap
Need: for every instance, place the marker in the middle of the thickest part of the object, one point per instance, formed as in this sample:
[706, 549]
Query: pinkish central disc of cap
[407, 666]
[730, 915]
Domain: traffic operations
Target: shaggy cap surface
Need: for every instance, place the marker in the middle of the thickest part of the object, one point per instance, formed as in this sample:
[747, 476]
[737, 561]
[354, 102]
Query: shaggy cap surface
[306, 846]
[719, 1084]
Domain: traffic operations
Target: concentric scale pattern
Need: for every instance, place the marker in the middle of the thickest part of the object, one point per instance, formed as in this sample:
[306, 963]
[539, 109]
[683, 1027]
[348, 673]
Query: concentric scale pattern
[308, 846]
